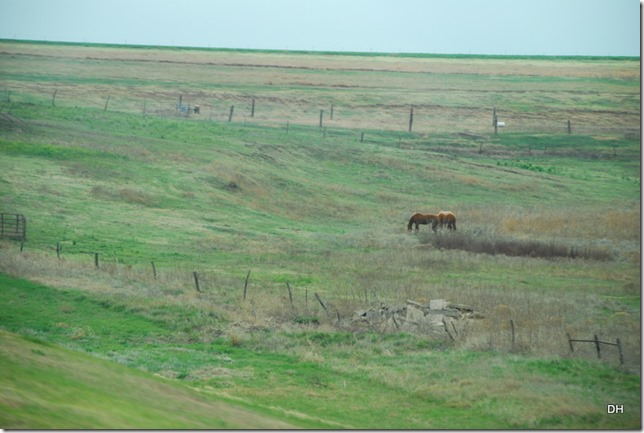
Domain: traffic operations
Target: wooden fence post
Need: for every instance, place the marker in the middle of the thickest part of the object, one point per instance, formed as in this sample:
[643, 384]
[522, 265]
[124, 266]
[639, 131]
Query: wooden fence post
[572, 349]
[58, 250]
[331, 116]
[361, 137]
[321, 302]
[321, 115]
[512, 329]
[290, 295]
[96, 260]
[154, 270]
[196, 277]
[411, 118]
[246, 284]
[53, 98]
[230, 115]
[106, 102]
[569, 127]
[252, 108]
[599, 355]
[621, 354]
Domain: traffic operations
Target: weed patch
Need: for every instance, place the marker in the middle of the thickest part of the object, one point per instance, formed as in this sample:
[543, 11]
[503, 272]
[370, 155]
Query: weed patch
[469, 241]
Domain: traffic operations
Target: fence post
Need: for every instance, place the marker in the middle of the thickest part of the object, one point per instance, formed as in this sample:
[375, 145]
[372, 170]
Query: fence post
[321, 302]
[331, 116]
[572, 349]
[411, 118]
[512, 329]
[96, 260]
[252, 108]
[53, 98]
[246, 284]
[621, 354]
[597, 347]
[106, 102]
[58, 250]
[230, 115]
[321, 115]
[290, 295]
[154, 270]
[196, 277]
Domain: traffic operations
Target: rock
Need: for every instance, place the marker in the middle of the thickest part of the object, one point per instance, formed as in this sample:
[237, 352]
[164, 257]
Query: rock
[437, 304]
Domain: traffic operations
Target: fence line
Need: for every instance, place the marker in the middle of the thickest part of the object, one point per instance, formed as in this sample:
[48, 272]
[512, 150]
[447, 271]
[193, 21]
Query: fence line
[598, 344]
[392, 117]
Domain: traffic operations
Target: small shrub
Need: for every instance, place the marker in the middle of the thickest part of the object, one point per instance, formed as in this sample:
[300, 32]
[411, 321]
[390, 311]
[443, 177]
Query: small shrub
[307, 320]
[235, 339]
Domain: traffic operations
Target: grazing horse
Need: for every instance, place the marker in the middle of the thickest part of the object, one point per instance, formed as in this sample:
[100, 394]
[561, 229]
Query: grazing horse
[447, 217]
[419, 218]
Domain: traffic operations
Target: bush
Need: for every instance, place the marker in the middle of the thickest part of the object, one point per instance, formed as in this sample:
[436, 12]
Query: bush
[486, 244]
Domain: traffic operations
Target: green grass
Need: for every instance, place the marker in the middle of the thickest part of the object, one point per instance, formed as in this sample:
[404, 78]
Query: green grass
[47, 387]
[327, 214]
[367, 369]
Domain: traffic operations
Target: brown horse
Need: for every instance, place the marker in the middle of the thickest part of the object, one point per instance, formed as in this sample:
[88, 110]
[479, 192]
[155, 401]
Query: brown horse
[447, 217]
[419, 218]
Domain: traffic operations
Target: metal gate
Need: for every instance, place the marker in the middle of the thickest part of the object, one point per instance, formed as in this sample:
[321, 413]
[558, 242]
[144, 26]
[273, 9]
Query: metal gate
[13, 226]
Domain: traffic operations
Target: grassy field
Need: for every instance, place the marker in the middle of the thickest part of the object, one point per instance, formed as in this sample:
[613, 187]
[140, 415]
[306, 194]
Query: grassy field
[548, 231]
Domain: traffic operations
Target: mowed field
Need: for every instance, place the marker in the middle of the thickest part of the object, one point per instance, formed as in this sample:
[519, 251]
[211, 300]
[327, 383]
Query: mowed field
[269, 211]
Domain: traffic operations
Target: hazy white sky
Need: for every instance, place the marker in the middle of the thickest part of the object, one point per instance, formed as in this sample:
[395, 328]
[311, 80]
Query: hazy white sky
[543, 27]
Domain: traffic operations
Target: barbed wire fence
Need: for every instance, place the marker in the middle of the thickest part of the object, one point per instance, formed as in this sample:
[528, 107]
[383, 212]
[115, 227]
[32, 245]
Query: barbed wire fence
[282, 112]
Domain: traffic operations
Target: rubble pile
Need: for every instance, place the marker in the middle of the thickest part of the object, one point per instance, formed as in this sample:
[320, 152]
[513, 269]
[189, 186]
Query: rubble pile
[439, 318]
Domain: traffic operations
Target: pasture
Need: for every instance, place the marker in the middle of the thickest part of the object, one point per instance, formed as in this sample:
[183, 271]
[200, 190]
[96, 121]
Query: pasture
[98, 157]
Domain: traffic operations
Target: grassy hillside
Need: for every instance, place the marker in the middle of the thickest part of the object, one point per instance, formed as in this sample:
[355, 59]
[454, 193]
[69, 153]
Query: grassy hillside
[547, 239]
[308, 377]
[47, 387]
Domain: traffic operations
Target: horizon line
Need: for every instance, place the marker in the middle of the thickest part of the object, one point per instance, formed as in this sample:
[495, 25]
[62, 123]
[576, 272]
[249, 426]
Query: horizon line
[319, 52]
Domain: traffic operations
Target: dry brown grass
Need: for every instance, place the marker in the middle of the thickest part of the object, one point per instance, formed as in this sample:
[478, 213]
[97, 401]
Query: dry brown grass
[542, 317]
[447, 93]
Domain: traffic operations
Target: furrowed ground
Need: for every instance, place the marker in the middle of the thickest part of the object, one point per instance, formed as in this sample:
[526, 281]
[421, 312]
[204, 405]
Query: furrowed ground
[100, 158]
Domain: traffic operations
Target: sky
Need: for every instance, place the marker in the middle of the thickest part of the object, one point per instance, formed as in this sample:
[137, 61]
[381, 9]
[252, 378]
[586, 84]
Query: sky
[506, 27]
